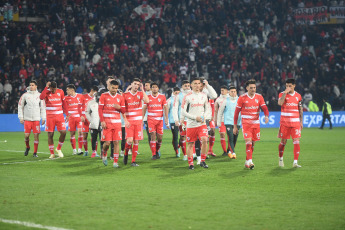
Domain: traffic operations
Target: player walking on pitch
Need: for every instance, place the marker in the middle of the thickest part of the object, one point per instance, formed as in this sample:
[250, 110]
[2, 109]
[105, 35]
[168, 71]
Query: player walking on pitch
[30, 111]
[249, 105]
[291, 120]
[219, 118]
[173, 127]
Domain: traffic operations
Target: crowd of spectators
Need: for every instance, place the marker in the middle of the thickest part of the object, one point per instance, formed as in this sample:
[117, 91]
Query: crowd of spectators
[228, 42]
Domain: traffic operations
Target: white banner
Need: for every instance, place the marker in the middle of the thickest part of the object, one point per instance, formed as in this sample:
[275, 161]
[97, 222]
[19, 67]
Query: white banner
[145, 11]
[337, 12]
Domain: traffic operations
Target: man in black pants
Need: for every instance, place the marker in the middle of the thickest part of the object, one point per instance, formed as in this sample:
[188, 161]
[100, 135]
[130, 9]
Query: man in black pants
[147, 88]
[173, 127]
[326, 114]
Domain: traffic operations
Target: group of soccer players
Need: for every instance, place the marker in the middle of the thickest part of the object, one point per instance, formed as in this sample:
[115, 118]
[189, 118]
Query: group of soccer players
[193, 112]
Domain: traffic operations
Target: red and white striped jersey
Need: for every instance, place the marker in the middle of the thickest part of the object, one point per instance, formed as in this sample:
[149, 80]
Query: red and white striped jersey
[72, 105]
[289, 112]
[250, 109]
[85, 99]
[53, 101]
[134, 110]
[107, 111]
[155, 107]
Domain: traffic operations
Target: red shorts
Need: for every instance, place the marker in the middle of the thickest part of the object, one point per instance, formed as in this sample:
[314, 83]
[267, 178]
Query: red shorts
[183, 132]
[135, 132]
[74, 123]
[251, 132]
[85, 126]
[57, 121]
[212, 124]
[32, 125]
[155, 126]
[222, 128]
[196, 133]
[113, 134]
[286, 132]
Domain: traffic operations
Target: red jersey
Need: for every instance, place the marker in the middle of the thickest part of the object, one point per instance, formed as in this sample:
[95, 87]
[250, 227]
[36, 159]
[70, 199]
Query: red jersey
[107, 112]
[134, 112]
[211, 101]
[53, 101]
[155, 107]
[290, 111]
[250, 109]
[85, 99]
[72, 105]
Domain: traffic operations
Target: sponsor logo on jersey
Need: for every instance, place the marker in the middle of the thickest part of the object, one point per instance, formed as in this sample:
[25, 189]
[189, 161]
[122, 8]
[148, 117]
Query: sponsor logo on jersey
[291, 104]
[197, 105]
[154, 105]
[54, 99]
[252, 107]
[134, 103]
[73, 104]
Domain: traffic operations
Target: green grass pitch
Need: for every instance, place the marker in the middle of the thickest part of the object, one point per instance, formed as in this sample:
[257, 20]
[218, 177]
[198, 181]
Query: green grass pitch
[78, 192]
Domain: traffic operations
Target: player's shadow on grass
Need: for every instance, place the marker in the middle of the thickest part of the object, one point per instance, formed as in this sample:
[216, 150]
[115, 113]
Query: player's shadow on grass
[240, 173]
[174, 169]
[278, 171]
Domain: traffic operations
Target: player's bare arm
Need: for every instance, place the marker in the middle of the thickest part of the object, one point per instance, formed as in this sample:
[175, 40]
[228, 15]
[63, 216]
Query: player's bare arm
[282, 99]
[144, 111]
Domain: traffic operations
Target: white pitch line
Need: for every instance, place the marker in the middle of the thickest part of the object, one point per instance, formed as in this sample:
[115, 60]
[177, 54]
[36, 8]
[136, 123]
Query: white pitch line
[16, 151]
[31, 225]
[22, 162]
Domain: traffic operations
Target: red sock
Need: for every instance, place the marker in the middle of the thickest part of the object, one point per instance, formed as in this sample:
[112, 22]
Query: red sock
[183, 146]
[203, 157]
[27, 143]
[153, 147]
[158, 147]
[116, 157]
[223, 143]
[59, 145]
[35, 146]
[249, 150]
[296, 149]
[51, 149]
[80, 142]
[135, 152]
[281, 148]
[86, 145]
[127, 148]
[73, 142]
[190, 161]
[211, 143]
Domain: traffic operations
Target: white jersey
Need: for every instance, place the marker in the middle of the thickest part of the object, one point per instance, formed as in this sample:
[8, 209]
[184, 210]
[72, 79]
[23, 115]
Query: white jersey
[91, 114]
[176, 110]
[217, 104]
[210, 92]
[195, 105]
[31, 107]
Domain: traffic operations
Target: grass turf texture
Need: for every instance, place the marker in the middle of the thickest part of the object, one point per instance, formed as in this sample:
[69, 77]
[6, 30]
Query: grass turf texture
[78, 192]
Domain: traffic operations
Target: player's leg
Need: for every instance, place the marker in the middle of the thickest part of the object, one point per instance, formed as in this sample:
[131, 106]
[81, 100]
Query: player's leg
[123, 141]
[51, 143]
[249, 152]
[235, 141]
[281, 148]
[80, 142]
[36, 141]
[222, 131]
[229, 130]
[158, 127]
[190, 146]
[197, 151]
[147, 131]
[135, 152]
[106, 145]
[138, 135]
[27, 143]
[159, 144]
[116, 153]
[73, 141]
[174, 131]
[212, 139]
[296, 150]
[94, 134]
[86, 147]
[153, 145]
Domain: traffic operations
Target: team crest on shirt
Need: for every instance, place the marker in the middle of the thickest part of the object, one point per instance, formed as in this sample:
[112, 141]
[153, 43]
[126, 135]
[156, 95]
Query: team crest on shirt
[118, 100]
[256, 100]
[129, 98]
[58, 94]
[245, 134]
[188, 138]
[159, 99]
[296, 98]
[138, 96]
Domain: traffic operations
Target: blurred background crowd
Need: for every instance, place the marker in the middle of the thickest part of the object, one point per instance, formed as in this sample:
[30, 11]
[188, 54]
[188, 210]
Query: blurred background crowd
[166, 41]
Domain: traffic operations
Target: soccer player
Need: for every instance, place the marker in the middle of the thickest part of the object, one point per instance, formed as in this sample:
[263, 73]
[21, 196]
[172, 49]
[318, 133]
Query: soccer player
[30, 111]
[85, 123]
[147, 87]
[218, 118]
[226, 114]
[155, 107]
[179, 120]
[173, 127]
[195, 107]
[291, 120]
[92, 117]
[72, 107]
[53, 98]
[134, 123]
[111, 104]
[249, 105]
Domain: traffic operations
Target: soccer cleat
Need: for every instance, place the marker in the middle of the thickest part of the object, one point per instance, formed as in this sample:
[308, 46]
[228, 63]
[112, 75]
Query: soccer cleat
[97, 155]
[224, 154]
[105, 160]
[185, 157]
[246, 164]
[134, 164]
[281, 163]
[52, 156]
[130, 152]
[154, 157]
[34, 155]
[74, 152]
[251, 165]
[93, 155]
[198, 160]
[295, 165]
[115, 165]
[158, 155]
[125, 159]
[233, 156]
[80, 153]
[191, 167]
[204, 165]
[230, 155]
[26, 151]
[86, 153]
[211, 154]
[59, 152]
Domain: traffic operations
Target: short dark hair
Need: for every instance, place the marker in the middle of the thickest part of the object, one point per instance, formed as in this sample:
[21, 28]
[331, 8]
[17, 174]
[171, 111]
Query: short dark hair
[250, 81]
[148, 81]
[176, 89]
[110, 77]
[53, 84]
[94, 88]
[290, 81]
[224, 87]
[232, 87]
[136, 79]
[153, 83]
[196, 79]
[114, 82]
[185, 82]
[71, 86]
[33, 81]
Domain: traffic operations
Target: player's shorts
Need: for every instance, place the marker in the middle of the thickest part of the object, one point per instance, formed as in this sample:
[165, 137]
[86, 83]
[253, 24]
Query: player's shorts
[85, 126]
[58, 121]
[135, 132]
[113, 134]
[196, 133]
[74, 124]
[222, 128]
[155, 126]
[32, 125]
[251, 132]
[285, 132]
[183, 132]
[212, 125]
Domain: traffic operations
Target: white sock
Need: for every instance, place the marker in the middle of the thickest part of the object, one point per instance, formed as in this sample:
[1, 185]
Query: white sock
[281, 158]
[295, 161]
[199, 158]
[79, 150]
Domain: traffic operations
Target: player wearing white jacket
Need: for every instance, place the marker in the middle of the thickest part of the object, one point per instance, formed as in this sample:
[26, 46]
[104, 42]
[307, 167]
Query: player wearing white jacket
[30, 111]
[195, 108]
[92, 116]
